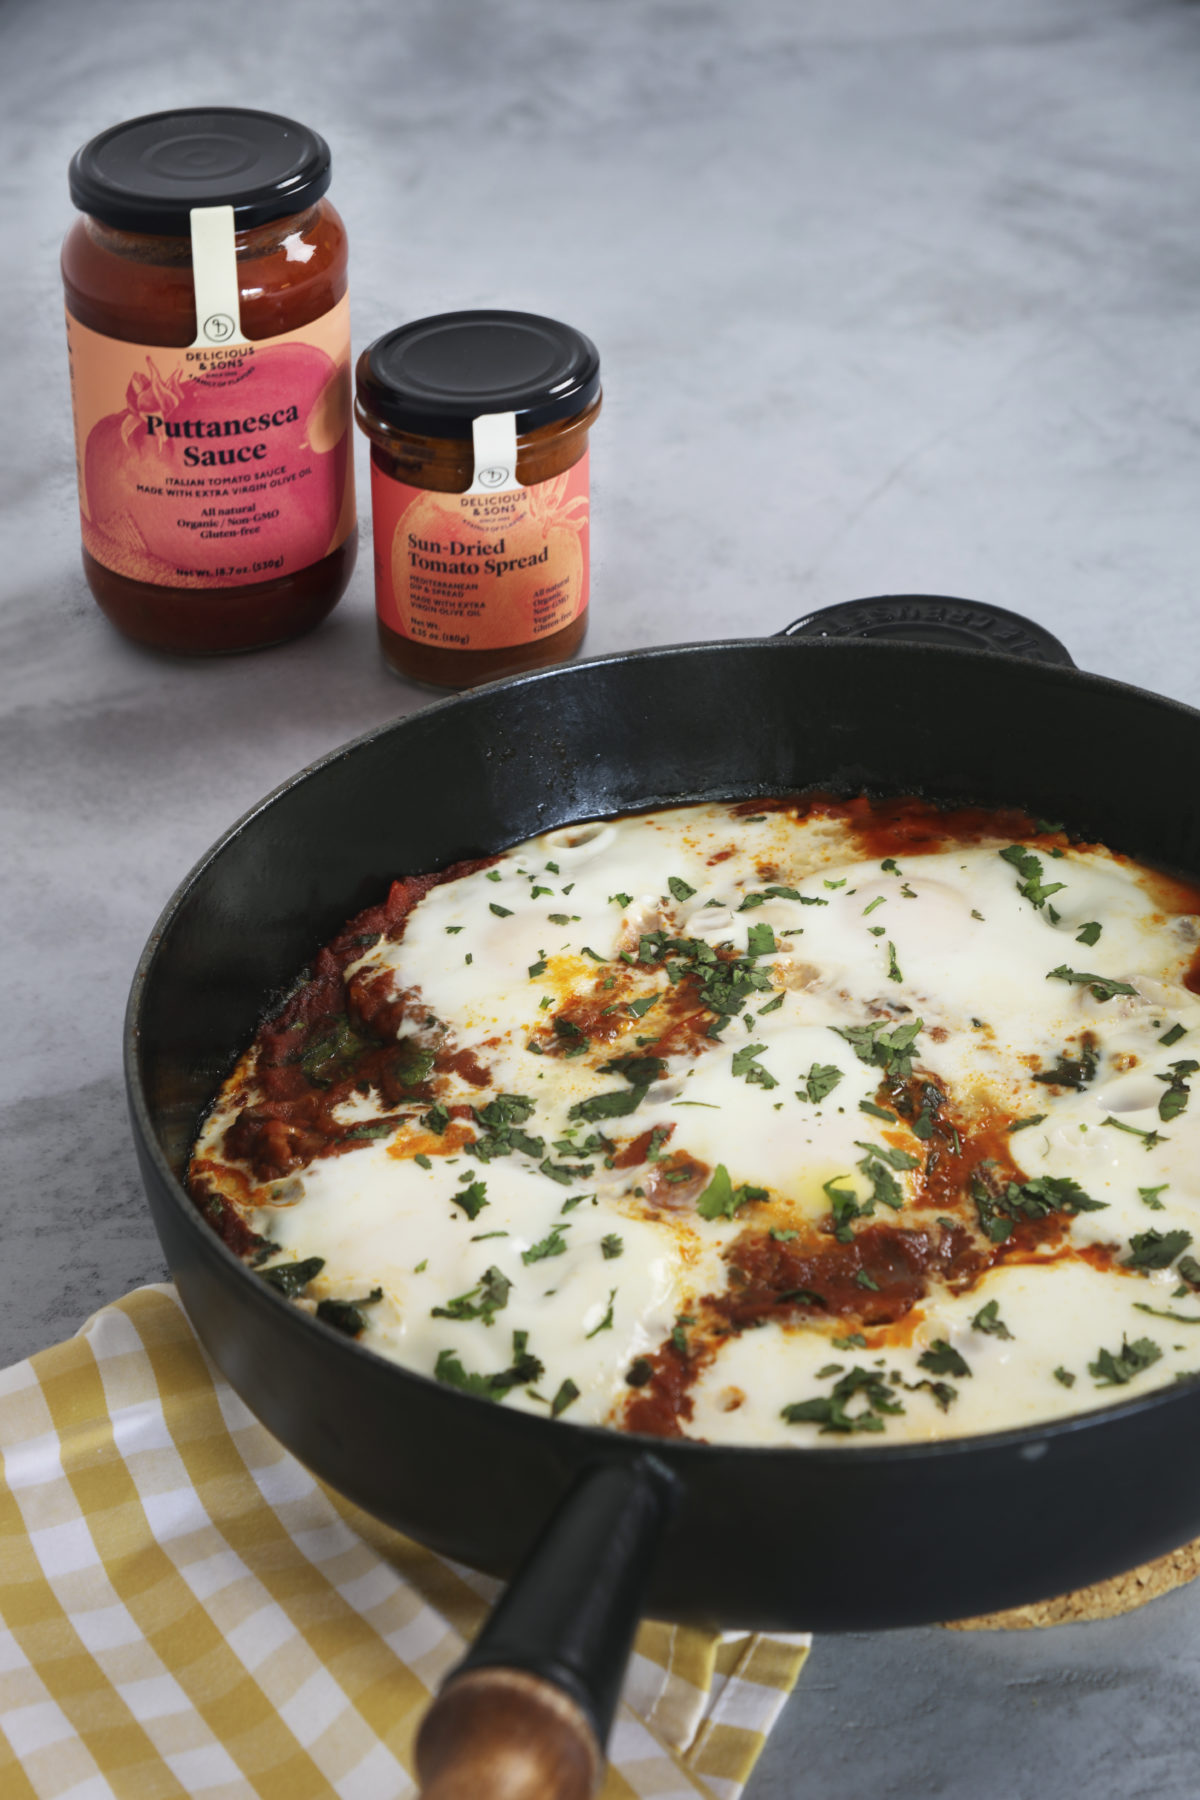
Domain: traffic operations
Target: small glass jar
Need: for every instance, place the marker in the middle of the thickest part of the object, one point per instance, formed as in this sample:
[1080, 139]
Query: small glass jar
[479, 426]
[208, 325]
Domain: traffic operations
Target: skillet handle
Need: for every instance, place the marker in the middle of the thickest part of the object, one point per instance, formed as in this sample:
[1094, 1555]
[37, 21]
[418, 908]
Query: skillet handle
[526, 1714]
[934, 619]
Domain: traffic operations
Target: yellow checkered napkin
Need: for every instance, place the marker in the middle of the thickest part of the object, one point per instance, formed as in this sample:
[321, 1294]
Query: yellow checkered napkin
[186, 1611]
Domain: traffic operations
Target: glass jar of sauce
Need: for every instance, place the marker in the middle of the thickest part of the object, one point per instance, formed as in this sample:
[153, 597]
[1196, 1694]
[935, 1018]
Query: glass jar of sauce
[479, 427]
[208, 325]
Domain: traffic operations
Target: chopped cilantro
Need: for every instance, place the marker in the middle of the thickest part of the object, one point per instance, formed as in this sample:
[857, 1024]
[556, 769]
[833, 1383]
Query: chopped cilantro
[893, 966]
[876, 1112]
[942, 1359]
[621, 900]
[1088, 934]
[891, 1051]
[1115, 1370]
[537, 968]
[501, 912]
[1175, 1100]
[606, 1322]
[781, 1237]
[1064, 1375]
[1149, 1196]
[488, 1297]
[1032, 888]
[612, 1246]
[771, 1006]
[1173, 1035]
[1101, 986]
[472, 1198]
[879, 900]
[988, 1320]
[831, 1412]
[679, 888]
[1024, 1124]
[551, 1245]
[745, 1064]
[760, 941]
[819, 1083]
[422, 1160]
[1149, 1138]
[1156, 1249]
[525, 1369]
[290, 1279]
[721, 1200]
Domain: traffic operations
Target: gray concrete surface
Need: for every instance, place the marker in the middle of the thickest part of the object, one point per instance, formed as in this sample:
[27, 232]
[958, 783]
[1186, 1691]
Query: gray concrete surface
[889, 297]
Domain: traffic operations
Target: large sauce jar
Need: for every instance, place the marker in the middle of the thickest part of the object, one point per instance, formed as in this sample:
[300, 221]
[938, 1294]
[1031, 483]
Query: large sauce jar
[208, 324]
[479, 427]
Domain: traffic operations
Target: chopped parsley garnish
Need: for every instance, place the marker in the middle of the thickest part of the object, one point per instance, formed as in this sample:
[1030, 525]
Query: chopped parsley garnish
[290, 1279]
[721, 1200]
[553, 1244]
[891, 1051]
[639, 1008]
[876, 1112]
[890, 866]
[680, 889]
[1173, 1035]
[988, 1320]
[1031, 888]
[639, 1071]
[819, 1083]
[639, 1372]
[436, 1119]
[612, 1246]
[1149, 1196]
[501, 912]
[1188, 1270]
[453, 930]
[831, 1412]
[422, 1161]
[779, 893]
[1089, 934]
[347, 1315]
[760, 941]
[493, 875]
[1101, 986]
[1156, 1249]
[472, 1198]
[1111, 1370]
[1173, 1102]
[896, 1159]
[606, 1322]
[864, 1279]
[379, 1128]
[588, 951]
[999, 1212]
[612, 1105]
[771, 1006]
[565, 1395]
[781, 1237]
[1149, 1138]
[879, 900]
[1024, 1124]
[942, 1358]
[537, 968]
[1160, 1312]
[488, 1297]
[621, 900]
[525, 1369]
[559, 1171]
[1064, 1375]
[745, 1064]
[893, 966]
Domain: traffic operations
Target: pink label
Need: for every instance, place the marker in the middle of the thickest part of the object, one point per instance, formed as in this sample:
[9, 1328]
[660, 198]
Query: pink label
[481, 571]
[212, 467]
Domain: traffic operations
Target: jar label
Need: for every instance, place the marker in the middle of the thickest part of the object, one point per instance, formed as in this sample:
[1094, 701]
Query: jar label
[481, 571]
[218, 465]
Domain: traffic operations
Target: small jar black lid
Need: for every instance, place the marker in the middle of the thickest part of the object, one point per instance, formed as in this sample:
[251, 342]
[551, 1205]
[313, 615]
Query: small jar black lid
[148, 173]
[437, 375]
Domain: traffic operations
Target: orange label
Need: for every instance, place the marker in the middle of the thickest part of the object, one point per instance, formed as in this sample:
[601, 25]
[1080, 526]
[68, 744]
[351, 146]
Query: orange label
[214, 467]
[481, 571]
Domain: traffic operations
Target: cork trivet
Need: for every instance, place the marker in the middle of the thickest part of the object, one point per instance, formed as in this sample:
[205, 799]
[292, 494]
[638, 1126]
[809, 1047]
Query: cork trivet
[1103, 1600]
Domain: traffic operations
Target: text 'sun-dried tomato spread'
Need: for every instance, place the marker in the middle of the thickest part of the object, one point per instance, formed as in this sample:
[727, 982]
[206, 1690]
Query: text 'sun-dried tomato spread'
[208, 324]
[479, 427]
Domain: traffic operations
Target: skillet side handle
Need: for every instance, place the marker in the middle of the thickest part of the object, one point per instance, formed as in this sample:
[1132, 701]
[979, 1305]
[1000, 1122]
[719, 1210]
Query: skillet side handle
[934, 619]
[526, 1714]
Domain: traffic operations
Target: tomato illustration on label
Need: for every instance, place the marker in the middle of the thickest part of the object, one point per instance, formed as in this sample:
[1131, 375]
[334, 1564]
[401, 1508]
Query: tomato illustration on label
[482, 571]
[222, 467]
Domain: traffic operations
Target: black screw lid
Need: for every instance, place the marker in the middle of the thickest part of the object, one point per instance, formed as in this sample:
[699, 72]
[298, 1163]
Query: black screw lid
[147, 174]
[436, 375]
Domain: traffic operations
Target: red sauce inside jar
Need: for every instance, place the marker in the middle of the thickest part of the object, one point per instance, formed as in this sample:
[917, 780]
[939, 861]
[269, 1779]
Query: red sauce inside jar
[214, 453]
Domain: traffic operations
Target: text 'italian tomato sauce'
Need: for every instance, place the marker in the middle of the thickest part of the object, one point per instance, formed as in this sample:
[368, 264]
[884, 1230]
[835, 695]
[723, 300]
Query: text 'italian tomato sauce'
[208, 325]
[479, 427]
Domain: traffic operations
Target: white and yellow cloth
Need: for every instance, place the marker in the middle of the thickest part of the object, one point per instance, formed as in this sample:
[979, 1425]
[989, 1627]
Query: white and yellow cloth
[185, 1611]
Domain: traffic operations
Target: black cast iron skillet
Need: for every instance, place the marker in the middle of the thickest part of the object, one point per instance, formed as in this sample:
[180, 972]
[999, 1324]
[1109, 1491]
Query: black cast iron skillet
[827, 1539]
